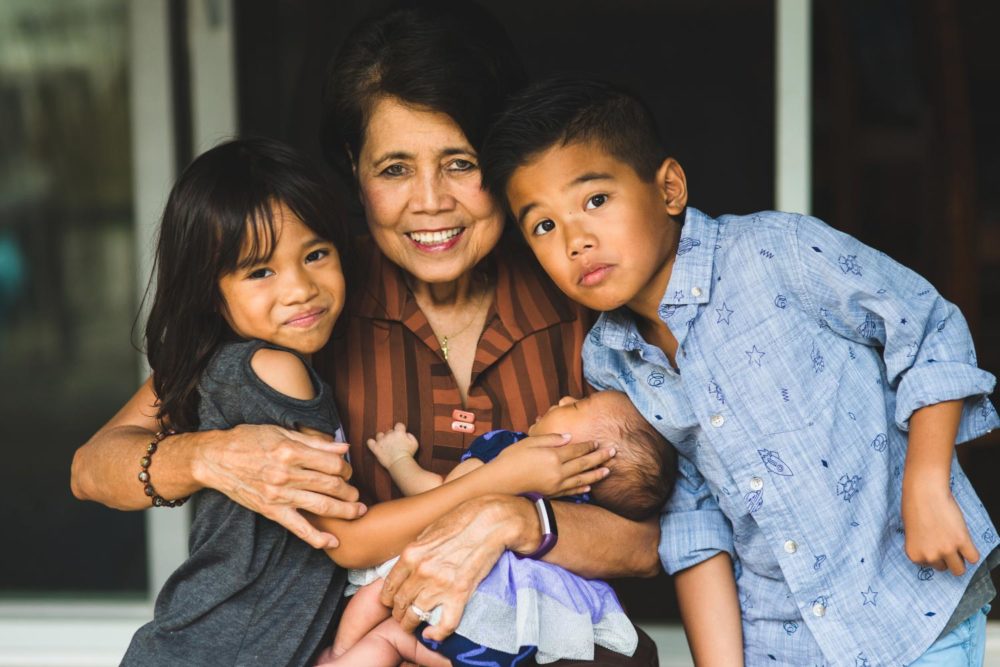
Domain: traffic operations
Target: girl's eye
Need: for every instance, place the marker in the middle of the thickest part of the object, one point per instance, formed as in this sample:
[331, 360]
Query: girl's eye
[596, 201]
[317, 255]
[543, 227]
[461, 164]
[257, 274]
[394, 170]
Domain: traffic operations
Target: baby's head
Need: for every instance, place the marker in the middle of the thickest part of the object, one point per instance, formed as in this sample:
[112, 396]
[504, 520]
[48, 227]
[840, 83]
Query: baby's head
[642, 471]
[585, 177]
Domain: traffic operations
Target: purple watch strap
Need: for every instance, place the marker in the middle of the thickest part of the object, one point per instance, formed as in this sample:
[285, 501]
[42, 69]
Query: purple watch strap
[547, 520]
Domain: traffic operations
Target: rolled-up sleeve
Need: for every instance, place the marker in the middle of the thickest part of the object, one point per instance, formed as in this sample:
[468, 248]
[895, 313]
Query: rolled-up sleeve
[692, 526]
[867, 297]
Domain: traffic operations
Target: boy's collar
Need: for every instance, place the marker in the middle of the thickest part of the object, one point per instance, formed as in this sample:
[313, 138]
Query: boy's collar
[691, 277]
[690, 282]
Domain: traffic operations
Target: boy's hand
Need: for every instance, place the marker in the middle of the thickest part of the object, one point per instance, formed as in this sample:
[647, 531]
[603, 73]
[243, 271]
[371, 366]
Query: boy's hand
[393, 445]
[936, 534]
[551, 465]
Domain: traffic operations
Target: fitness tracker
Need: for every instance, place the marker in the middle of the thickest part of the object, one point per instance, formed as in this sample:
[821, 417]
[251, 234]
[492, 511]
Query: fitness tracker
[547, 520]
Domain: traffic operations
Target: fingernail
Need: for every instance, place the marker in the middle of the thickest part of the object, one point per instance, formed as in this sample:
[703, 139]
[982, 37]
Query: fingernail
[605, 471]
[612, 451]
[362, 509]
[566, 436]
[586, 489]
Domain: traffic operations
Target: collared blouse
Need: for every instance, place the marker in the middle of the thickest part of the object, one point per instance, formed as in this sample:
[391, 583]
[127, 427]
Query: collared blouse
[386, 366]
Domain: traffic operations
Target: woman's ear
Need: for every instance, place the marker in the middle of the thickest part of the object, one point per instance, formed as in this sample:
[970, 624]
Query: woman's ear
[672, 181]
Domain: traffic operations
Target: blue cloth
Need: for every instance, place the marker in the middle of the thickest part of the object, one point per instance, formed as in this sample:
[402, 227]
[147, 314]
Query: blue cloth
[462, 651]
[802, 354]
[965, 645]
[489, 445]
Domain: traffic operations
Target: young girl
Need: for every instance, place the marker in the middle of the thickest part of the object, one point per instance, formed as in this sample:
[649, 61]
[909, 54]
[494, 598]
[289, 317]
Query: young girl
[249, 285]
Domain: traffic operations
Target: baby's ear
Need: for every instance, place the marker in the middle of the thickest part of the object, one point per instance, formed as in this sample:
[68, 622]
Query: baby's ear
[672, 181]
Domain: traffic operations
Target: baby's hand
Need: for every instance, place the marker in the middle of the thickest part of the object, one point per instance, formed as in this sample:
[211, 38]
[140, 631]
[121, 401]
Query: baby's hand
[393, 445]
[936, 534]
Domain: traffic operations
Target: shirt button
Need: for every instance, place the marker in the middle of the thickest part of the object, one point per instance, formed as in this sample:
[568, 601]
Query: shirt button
[756, 483]
[695, 291]
[717, 420]
[791, 547]
[819, 611]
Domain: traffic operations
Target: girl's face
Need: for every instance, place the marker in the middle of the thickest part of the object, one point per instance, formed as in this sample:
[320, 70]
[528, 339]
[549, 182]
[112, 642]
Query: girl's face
[420, 187]
[293, 298]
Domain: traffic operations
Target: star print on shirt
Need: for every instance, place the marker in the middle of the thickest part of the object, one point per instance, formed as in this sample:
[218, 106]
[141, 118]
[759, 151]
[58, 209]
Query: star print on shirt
[678, 295]
[869, 597]
[724, 312]
[755, 356]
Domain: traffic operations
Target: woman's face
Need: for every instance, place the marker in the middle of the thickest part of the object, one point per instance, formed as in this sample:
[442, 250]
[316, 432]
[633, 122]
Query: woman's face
[420, 188]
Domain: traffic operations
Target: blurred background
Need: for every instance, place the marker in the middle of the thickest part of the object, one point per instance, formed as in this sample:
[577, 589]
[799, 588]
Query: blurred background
[878, 116]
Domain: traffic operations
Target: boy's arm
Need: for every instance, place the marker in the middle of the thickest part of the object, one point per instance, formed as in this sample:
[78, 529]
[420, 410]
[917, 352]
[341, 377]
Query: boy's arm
[395, 450]
[867, 297]
[710, 610]
[936, 534]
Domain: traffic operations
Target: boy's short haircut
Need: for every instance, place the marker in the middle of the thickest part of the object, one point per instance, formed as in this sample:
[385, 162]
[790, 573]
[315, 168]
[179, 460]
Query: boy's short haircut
[566, 111]
[642, 471]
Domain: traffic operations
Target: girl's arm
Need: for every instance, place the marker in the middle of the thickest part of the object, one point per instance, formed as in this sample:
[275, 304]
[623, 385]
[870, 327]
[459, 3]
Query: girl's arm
[544, 464]
[267, 469]
[710, 610]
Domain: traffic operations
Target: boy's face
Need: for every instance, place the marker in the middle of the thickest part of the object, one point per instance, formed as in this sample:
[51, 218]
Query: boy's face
[604, 236]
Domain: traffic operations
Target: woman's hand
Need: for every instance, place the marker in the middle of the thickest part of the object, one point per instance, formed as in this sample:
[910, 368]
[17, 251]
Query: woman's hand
[276, 473]
[443, 566]
[550, 465]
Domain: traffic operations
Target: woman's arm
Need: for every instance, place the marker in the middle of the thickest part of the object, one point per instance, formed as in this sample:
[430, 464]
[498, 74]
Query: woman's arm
[447, 561]
[266, 469]
[542, 463]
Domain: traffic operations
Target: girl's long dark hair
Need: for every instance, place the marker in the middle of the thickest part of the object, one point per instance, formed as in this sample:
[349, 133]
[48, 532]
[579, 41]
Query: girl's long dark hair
[220, 205]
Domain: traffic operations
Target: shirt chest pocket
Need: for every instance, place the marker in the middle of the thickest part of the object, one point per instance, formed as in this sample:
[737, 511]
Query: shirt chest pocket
[783, 374]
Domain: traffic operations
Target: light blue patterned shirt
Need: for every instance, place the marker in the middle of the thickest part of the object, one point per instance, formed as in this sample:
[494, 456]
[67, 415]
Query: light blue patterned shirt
[802, 354]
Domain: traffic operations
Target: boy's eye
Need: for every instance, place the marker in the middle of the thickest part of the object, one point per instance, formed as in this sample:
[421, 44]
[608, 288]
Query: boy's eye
[596, 201]
[257, 274]
[317, 254]
[543, 227]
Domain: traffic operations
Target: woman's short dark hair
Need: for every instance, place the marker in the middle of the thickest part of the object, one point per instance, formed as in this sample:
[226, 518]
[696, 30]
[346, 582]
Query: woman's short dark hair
[221, 204]
[449, 57]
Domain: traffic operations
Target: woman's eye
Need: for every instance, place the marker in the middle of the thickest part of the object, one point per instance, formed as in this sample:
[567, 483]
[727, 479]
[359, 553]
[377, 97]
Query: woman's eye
[257, 274]
[317, 254]
[596, 201]
[461, 165]
[543, 227]
[394, 170]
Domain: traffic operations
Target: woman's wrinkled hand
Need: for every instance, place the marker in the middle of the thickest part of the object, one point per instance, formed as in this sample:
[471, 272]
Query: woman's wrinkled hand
[277, 473]
[550, 465]
[443, 566]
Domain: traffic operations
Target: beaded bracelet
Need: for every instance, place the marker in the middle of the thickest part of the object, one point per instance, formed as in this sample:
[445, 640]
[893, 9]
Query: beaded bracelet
[155, 498]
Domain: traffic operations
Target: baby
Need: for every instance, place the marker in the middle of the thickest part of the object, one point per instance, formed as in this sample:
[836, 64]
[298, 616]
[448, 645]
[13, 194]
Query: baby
[569, 614]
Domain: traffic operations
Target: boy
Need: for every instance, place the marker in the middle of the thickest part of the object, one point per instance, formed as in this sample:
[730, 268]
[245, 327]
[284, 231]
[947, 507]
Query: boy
[814, 389]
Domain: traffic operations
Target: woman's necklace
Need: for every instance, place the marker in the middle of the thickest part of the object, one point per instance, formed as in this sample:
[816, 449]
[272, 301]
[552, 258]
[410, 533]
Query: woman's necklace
[443, 340]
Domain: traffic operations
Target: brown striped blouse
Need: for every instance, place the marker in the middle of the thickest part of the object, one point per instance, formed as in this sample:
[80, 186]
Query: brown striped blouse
[387, 365]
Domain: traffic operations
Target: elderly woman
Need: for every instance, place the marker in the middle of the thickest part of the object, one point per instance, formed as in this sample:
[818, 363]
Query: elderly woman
[450, 329]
